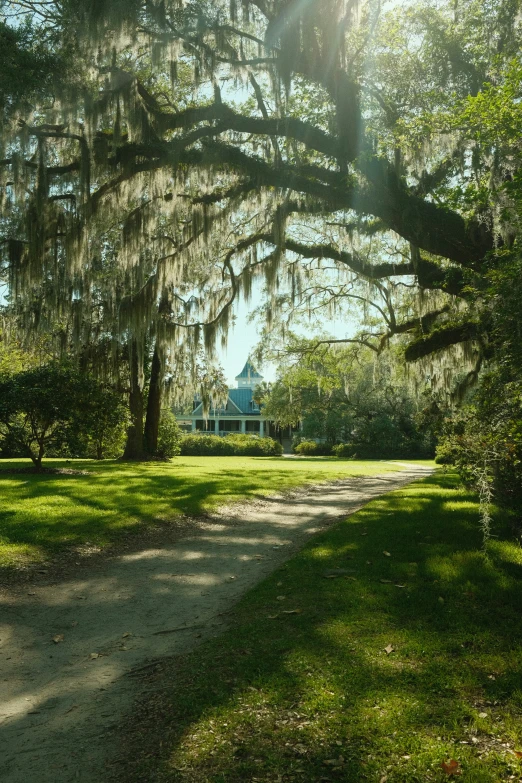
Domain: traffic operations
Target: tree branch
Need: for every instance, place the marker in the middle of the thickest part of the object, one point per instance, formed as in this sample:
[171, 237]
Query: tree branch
[441, 338]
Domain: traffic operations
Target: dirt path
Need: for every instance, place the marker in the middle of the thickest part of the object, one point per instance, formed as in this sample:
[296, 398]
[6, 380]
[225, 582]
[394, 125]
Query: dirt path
[59, 699]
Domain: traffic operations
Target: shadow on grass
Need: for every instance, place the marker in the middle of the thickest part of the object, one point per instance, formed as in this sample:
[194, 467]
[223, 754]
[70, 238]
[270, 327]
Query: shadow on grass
[47, 511]
[314, 696]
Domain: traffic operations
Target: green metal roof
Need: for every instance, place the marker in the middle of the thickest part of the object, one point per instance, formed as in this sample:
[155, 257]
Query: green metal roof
[248, 371]
[242, 399]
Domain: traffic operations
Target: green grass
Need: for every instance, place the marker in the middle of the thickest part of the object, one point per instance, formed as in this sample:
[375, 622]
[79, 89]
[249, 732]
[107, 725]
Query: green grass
[40, 514]
[314, 696]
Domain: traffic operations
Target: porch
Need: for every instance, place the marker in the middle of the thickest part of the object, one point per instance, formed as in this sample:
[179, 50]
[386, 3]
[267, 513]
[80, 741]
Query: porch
[245, 426]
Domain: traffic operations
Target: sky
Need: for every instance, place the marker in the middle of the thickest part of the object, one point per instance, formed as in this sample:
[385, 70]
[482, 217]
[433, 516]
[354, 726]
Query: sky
[244, 335]
[242, 339]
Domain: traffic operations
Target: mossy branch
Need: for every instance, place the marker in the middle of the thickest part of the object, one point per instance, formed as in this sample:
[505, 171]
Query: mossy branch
[440, 339]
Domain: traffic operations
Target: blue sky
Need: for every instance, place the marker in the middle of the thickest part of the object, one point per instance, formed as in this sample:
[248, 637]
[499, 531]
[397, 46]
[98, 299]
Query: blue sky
[244, 335]
[242, 338]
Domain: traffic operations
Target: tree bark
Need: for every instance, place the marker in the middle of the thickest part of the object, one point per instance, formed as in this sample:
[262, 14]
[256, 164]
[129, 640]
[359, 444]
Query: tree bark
[38, 457]
[134, 447]
[153, 405]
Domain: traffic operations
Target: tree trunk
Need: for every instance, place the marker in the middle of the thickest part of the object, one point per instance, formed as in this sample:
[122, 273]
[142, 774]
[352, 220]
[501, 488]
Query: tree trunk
[153, 405]
[37, 458]
[134, 446]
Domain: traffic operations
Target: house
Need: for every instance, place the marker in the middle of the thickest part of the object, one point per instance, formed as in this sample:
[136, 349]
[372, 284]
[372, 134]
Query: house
[240, 414]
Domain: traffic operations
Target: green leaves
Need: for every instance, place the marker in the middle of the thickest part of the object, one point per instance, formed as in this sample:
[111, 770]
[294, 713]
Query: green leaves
[55, 404]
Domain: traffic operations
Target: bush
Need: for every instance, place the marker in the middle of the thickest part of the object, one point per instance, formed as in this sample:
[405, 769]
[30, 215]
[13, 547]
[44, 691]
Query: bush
[205, 446]
[485, 440]
[254, 446]
[56, 410]
[344, 451]
[310, 448]
[169, 435]
[233, 445]
[446, 453]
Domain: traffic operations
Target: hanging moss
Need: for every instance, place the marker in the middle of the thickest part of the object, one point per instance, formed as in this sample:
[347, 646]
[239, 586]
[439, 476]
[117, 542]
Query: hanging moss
[137, 199]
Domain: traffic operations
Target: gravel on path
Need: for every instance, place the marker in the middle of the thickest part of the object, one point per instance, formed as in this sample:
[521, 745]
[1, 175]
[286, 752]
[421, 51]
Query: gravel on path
[69, 648]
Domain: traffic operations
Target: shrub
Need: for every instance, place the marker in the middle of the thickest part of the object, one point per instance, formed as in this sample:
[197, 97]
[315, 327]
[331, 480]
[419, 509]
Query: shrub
[484, 441]
[169, 435]
[233, 445]
[446, 453]
[254, 446]
[56, 410]
[310, 448]
[344, 451]
[205, 446]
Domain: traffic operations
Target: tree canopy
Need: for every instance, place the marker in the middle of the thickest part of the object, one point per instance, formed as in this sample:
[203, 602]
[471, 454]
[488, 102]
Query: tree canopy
[336, 151]
[55, 405]
[345, 395]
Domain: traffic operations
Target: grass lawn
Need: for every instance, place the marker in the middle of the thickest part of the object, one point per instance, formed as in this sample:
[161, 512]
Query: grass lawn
[40, 514]
[301, 688]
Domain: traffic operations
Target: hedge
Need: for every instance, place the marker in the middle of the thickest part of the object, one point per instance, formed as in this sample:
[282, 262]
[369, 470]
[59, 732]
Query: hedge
[233, 445]
[310, 448]
[344, 451]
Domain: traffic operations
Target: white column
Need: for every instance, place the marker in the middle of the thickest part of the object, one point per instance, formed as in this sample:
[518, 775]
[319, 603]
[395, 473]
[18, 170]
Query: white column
[261, 429]
[193, 425]
[243, 426]
[216, 426]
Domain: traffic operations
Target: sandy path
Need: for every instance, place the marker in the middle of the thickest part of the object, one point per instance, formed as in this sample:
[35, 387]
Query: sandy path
[57, 703]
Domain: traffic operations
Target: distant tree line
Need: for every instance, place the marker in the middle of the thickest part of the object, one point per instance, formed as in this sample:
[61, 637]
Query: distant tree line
[347, 397]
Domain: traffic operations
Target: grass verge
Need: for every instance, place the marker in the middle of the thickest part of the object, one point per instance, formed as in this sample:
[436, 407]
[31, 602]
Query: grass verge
[41, 514]
[301, 687]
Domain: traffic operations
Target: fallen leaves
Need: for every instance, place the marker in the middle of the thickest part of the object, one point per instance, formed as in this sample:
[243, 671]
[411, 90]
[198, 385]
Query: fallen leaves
[334, 762]
[518, 754]
[389, 649]
[58, 638]
[483, 714]
[451, 767]
[386, 554]
[285, 611]
[93, 656]
[336, 572]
